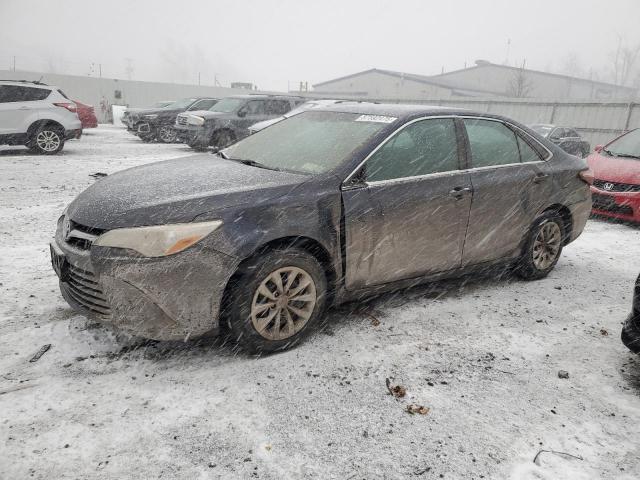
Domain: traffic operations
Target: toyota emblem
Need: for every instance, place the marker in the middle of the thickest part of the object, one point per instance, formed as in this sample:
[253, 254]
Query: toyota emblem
[608, 186]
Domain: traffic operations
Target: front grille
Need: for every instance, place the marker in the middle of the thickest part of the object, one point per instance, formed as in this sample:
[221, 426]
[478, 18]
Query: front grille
[608, 204]
[616, 187]
[84, 289]
[182, 120]
[81, 236]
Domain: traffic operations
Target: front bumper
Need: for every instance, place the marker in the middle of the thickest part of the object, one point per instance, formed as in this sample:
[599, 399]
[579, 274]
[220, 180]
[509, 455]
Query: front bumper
[623, 206]
[194, 135]
[75, 133]
[631, 333]
[168, 298]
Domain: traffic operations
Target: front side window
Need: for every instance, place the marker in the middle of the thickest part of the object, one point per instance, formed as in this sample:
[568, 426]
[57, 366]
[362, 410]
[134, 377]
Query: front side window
[312, 142]
[228, 105]
[255, 107]
[424, 147]
[492, 143]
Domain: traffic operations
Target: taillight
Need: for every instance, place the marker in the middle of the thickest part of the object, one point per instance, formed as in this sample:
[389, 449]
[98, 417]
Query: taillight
[587, 176]
[69, 106]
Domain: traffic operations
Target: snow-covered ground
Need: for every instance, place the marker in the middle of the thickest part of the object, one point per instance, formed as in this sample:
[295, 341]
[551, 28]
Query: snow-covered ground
[482, 355]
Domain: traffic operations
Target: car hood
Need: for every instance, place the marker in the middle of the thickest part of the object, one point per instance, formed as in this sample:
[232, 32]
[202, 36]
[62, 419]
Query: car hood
[612, 169]
[207, 114]
[176, 191]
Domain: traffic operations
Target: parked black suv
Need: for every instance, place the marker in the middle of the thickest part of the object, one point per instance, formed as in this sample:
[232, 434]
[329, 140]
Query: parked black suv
[229, 120]
[157, 123]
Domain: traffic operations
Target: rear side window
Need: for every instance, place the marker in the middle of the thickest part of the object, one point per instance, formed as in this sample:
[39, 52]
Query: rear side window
[425, 147]
[278, 107]
[15, 93]
[492, 143]
[527, 154]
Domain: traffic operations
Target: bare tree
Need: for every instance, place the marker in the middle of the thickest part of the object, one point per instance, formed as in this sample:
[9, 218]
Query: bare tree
[520, 85]
[624, 62]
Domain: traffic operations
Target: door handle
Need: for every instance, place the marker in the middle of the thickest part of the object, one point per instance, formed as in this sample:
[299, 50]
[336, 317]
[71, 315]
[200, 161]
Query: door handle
[459, 192]
[540, 177]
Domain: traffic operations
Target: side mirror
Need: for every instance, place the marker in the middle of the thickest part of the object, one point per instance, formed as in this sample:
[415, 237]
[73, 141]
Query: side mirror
[598, 148]
[242, 113]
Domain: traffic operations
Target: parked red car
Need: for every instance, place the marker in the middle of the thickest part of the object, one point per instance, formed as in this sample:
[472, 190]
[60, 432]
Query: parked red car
[616, 171]
[87, 115]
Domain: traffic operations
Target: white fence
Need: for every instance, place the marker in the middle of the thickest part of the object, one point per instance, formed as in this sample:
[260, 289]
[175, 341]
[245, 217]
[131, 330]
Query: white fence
[597, 122]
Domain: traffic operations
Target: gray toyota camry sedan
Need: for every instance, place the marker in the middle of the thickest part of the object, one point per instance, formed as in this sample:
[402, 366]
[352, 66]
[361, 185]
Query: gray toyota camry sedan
[259, 239]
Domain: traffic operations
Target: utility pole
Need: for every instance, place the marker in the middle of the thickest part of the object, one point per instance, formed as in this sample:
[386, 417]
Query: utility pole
[100, 69]
[198, 78]
[14, 63]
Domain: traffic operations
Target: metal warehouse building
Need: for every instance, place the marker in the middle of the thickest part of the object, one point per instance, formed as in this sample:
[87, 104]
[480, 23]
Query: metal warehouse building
[484, 79]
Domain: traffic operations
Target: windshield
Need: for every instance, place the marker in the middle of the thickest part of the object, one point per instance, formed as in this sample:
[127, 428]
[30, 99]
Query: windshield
[626, 146]
[312, 142]
[542, 130]
[184, 103]
[162, 104]
[227, 105]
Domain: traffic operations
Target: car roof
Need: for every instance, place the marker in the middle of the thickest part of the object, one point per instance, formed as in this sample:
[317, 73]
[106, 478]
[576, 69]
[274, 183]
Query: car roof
[397, 110]
[264, 95]
[27, 83]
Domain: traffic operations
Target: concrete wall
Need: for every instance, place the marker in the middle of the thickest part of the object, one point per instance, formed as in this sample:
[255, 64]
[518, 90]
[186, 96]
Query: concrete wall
[103, 92]
[378, 84]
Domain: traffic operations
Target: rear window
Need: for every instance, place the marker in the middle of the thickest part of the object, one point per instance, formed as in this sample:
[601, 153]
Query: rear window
[16, 93]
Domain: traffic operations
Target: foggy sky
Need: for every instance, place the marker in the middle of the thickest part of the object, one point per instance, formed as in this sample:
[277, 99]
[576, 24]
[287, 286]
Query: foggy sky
[276, 43]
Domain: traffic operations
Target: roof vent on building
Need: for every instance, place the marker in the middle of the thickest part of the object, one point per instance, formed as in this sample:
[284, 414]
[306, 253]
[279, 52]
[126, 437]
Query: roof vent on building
[481, 63]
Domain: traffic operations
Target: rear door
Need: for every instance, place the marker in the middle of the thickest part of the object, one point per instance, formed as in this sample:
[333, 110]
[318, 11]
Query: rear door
[19, 107]
[408, 215]
[511, 183]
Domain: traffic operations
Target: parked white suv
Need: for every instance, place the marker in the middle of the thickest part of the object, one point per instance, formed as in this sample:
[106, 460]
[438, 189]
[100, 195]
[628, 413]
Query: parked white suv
[36, 115]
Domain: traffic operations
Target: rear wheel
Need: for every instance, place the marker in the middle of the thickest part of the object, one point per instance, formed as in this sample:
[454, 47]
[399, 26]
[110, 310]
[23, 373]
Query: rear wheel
[47, 140]
[278, 301]
[542, 248]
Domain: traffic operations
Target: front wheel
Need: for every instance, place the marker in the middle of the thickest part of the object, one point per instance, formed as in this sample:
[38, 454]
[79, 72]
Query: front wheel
[167, 134]
[278, 300]
[47, 140]
[542, 248]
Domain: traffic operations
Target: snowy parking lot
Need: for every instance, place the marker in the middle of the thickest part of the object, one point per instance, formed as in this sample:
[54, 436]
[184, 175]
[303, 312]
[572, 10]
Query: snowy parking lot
[482, 355]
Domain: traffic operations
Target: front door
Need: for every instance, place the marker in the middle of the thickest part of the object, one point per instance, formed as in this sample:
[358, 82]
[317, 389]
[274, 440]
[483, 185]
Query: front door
[408, 216]
[511, 184]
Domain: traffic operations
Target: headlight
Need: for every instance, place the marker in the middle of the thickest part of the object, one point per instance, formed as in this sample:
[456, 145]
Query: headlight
[158, 241]
[195, 120]
[150, 117]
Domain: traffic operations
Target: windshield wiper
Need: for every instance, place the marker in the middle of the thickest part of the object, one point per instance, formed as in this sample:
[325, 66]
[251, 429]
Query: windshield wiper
[626, 155]
[609, 152]
[221, 154]
[252, 163]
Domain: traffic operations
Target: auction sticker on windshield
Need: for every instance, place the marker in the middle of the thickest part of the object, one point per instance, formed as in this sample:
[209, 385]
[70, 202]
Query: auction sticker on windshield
[376, 118]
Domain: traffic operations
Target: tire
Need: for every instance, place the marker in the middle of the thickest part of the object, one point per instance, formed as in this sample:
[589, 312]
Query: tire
[580, 154]
[543, 247]
[167, 134]
[47, 140]
[285, 322]
[147, 137]
[223, 138]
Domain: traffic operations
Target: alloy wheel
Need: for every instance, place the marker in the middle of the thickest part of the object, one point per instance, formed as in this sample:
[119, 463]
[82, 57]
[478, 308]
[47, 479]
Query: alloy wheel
[167, 134]
[48, 140]
[283, 303]
[546, 245]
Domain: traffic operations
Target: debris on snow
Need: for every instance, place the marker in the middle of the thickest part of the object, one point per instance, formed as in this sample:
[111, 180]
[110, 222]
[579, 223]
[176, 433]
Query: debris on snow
[413, 409]
[563, 374]
[39, 353]
[564, 454]
[398, 391]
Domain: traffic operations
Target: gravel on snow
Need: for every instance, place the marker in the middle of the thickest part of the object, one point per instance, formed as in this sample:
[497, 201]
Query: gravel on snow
[482, 354]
